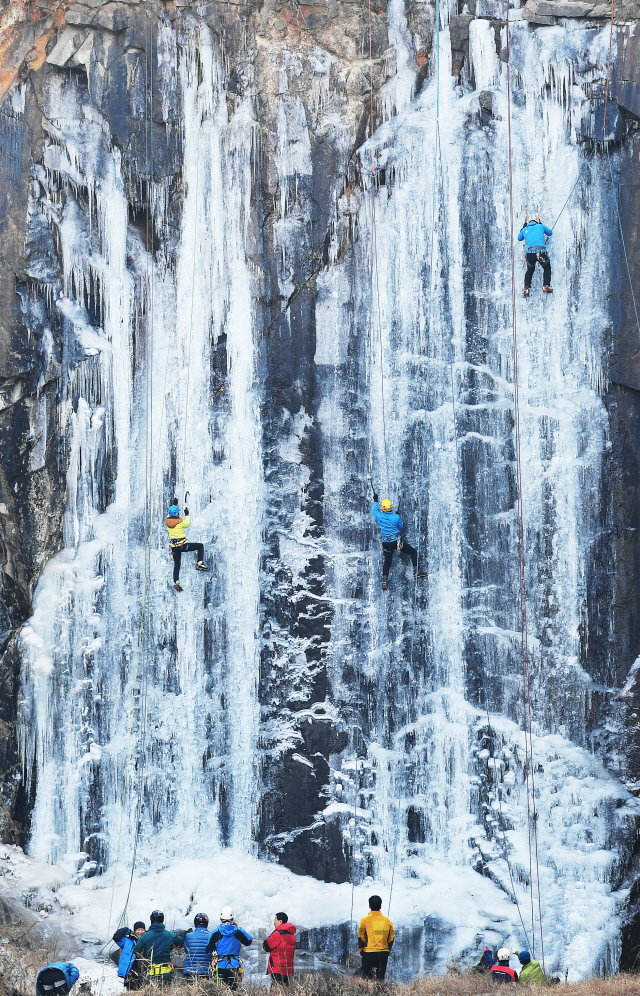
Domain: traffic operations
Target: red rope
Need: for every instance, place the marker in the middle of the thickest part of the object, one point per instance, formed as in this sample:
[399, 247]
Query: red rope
[532, 815]
[606, 92]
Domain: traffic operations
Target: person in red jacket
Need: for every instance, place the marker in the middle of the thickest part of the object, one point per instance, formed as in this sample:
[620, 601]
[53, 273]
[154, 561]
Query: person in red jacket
[281, 944]
[500, 971]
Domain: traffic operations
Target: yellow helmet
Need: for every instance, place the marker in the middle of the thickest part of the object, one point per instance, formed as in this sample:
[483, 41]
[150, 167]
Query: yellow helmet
[386, 505]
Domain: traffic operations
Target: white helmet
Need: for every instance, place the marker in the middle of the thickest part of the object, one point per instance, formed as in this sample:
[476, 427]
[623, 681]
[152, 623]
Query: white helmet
[226, 913]
[504, 954]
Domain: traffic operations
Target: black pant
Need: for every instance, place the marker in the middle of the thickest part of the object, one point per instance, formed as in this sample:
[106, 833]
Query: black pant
[390, 549]
[374, 962]
[134, 978]
[177, 552]
[280, 980]
[228, 976]
[53, 982]
[539, 256]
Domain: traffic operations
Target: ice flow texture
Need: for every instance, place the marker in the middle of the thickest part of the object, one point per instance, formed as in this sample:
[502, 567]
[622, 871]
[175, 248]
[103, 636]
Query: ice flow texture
[421, 780]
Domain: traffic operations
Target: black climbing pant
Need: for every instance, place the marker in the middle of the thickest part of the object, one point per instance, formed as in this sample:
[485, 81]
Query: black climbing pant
[390, 549]
[228, 977]
[542, 258]
[177, 552]
[374, 962]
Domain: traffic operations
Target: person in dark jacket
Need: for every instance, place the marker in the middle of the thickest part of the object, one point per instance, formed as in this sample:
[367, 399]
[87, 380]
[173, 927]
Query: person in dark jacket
[129, 967]
[533, 234]
[225, 943]
[155, 948]
[391, 530]
[499, 971]
[56, 979]
[280, 945]
[197, 961]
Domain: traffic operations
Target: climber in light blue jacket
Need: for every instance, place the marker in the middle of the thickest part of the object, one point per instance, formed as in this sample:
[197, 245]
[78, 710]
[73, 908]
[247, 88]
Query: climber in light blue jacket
[533, 234]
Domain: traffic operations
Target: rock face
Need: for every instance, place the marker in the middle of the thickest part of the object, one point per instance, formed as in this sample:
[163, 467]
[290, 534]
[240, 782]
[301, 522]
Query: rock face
[192, 209]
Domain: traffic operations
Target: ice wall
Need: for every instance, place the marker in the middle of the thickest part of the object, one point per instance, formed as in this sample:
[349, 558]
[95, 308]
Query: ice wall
[143, 723]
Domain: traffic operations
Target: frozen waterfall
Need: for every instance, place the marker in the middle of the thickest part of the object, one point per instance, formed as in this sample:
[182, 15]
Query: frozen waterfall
[129, 693]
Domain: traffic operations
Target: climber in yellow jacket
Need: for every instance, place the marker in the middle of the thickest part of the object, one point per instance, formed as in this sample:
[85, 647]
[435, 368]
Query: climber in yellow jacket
[178, 543]
[375, 940]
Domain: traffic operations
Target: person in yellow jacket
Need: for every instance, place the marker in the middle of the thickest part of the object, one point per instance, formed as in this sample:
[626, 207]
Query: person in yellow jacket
[375, 940]
[178, 543]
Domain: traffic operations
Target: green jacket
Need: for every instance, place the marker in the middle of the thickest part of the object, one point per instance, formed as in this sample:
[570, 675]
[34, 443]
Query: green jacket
[531, 972]
[156, 944]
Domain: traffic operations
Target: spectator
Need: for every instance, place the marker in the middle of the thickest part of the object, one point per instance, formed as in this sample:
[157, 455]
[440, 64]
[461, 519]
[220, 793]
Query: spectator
[280, 945]
[375, 940]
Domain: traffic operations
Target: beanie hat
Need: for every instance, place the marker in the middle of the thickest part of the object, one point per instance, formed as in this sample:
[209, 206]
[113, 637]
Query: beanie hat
[524, 957]
[138, 924]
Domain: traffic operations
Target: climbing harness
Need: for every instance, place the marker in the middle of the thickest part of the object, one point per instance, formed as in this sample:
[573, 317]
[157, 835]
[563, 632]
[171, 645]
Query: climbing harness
[529, 765]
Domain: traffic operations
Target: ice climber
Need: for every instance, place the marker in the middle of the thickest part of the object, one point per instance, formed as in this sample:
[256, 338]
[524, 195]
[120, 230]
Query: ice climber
[280, 945]
[197, 960]
[129, 967]
[224, 945]
[531, 971]
[155, 947]
[533, 234]
[375, 940]
[179, 545]
[56, 979]
[391, 530]
[499, 971]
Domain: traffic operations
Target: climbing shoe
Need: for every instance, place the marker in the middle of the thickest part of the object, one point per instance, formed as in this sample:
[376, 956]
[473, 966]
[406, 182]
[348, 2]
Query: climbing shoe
[178, 586]
[384, 585]
[547, 289]
[527, 291]
[201, 566]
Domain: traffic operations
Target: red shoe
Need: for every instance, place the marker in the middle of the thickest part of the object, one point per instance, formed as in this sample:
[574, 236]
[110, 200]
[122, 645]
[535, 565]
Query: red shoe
[547, 289]
[384, 585]
[527, 291]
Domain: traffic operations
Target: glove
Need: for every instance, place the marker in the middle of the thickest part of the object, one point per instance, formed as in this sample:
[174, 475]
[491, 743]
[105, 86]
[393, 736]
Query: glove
[186, 511]
[375, 497]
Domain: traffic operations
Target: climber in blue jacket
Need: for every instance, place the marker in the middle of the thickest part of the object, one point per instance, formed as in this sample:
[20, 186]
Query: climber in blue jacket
[128, 968]
[391, 530]
[56, 979]
[225, 943]
[533, 234]
[197, 961]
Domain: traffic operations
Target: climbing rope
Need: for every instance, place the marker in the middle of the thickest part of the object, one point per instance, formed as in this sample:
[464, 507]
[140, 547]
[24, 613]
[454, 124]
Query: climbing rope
[424, 446]
[375, 290]
[606, 92]
[528, 738]
[141, 619]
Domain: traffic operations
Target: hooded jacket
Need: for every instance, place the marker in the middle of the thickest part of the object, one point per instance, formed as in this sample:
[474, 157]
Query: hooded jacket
[177, 526]
[531, 972]
[67, 968]
[225, 941]
[196, 959]
[391, 525]
[533, 234]
[157, 943]
[126, 941]
[281, 945]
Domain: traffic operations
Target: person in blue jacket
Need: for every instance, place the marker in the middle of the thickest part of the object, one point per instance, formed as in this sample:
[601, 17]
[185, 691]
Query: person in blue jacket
[225, 943]
[197, 961]
[56, 979]
[533, 234]
[129, 968]
[391, 530]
